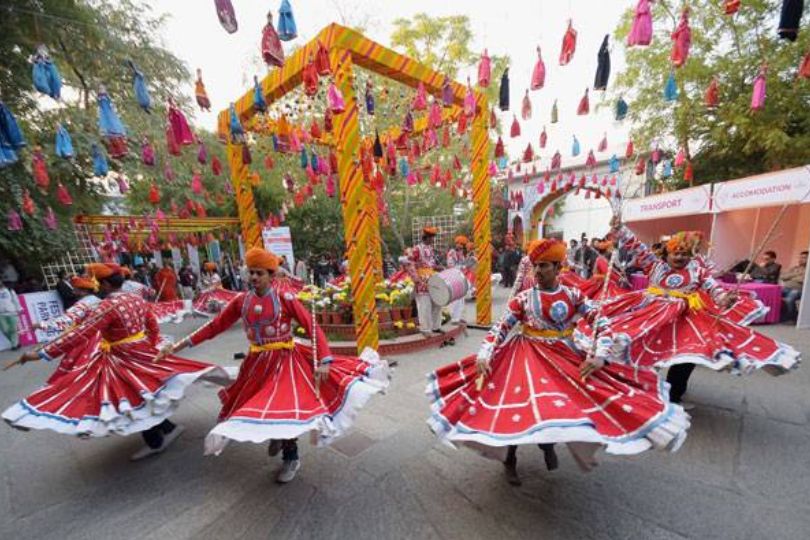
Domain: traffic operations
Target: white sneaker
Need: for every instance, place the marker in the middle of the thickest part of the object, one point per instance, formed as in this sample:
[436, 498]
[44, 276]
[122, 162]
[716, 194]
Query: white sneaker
[168, 439]
[288, 471]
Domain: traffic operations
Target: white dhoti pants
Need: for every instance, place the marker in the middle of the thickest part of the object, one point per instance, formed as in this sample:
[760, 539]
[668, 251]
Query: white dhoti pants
[456, 310]
[430, 314]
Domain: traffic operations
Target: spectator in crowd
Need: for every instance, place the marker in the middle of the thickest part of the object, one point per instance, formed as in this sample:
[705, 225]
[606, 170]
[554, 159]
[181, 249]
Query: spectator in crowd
[792, 284]
[768, 271]
[8, 273]
[511, 259]
[188, 281]
[166, 283]
[10, 310]
[322, 271]
[65, 290]
[585, 257]
[573, 245]
[142, 275]
[301, 270]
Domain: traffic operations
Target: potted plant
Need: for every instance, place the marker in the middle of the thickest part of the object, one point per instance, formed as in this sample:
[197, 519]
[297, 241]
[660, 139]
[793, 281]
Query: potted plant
[384, 307]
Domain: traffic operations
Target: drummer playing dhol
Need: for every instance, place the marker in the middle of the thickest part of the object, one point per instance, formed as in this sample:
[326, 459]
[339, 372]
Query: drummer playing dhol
[424, 265]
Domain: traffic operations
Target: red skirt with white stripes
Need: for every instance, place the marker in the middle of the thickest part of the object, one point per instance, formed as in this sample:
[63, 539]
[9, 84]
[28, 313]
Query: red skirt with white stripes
[654, 331]
[274, 397]
[120, 391]
[534, 394]
[212, 301]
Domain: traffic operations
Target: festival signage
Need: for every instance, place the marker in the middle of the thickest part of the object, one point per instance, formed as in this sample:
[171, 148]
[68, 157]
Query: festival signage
[279, 241]
[36, 308]
[684, 202]
[783, 187]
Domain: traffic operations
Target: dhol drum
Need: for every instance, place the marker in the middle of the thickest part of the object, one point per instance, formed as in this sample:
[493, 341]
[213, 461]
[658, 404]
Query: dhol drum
[447, 286]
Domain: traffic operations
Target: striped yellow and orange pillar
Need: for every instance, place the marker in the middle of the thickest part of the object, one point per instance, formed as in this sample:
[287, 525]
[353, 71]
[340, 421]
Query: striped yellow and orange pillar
[481, 199]
[360, 229]
[246, 206]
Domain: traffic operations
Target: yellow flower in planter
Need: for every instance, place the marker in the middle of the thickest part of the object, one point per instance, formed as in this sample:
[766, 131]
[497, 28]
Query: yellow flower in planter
[410, 325]
[300, 331]
[399, 324]
[384, 298]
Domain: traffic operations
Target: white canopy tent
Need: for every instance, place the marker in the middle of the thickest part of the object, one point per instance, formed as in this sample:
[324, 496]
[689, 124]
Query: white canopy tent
[655, 216]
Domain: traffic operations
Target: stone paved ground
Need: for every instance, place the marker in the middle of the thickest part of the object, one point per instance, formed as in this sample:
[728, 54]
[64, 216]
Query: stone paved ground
[744, 472]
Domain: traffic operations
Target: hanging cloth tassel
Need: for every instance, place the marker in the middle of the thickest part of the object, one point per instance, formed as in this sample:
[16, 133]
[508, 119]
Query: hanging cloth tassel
[680, 158]
[602, 144]
[804, 68]
[100, 166]
[554, 113]
[322, 62]
[63, 195]
[287, 30]
[64, 145]
[202, 154]
[584, 106]
[28, 204]
[789, 19]
[613, 165]
[556, 161]
[528, 154]
[503, 91]
[237, 133]
[671, 88]
[514, 131]
[420, 100]
[13, 221]
[168, 173]
[334, 99]
[200, 94]
[575, 147]
[493, 120]
[621, 109]
[688, 174]
[712, 98]
[461, 127]
[304, 159]
[226, 15]
[407, 122]
[469, 100]
[272, 52]
[309, 76]
[47, 78]
[315, 130]
[447, 93]
[369, 99]
[630, 150]
[484, 70]
[179, 125]
[731, 6]
[758, 96]
[641, 31]
[569, 44]
[526, 107]
[11, 138]
[196, 184]
[681, 40]
[539, 72]
[600, 81]
[258, 96]
[247, 159]
[140, 88]
[499, 149]
[543, 138]
[269, 163]
[171, 143]
[666, 170]
[377, 149]
[39, 170]
[216, 166]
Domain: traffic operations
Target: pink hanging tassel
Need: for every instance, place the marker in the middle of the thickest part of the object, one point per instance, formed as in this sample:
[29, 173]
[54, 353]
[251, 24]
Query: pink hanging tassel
[179, 125]
[14, 221]
[335, 99]
[493, 169]
[330, 186]
[411, 179]
[543, 138]
[641, 31]
[539, 72]
[147, 153]
[603, 143]
[469, 100]
[196, 184]
[526, 108]
[50, 220]
[758, 97]
[590, 162]
[680, 158]
[202, 154]
[420, 101]
[123, 187]
[435, 117]
[484, 70]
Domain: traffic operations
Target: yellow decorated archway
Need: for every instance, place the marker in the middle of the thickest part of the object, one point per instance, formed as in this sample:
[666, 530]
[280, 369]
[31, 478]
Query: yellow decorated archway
[348, 48]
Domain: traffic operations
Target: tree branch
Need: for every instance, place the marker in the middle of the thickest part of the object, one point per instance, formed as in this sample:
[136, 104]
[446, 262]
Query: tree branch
[79, 75]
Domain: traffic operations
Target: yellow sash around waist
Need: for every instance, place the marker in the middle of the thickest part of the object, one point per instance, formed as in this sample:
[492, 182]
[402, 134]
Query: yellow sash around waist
[273, 346]
[547, 333]
[107, 345]
[693, 299]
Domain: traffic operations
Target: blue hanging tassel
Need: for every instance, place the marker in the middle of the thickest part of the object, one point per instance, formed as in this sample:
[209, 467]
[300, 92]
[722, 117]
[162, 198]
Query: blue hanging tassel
[47, 78]
[667, 170]
[258, 98]
[575, 147]
[100, 166]
[11, 138]
[109, 123]
[304, 160]
[64, 146]
[502, 162]
[369, 101]
[275, 143]
[141, 91]
[671, 89]
[621, 109]
[287, 30]
[313, 161]
[614, 164]
[41, 77]
[404, 169]
[237, 133]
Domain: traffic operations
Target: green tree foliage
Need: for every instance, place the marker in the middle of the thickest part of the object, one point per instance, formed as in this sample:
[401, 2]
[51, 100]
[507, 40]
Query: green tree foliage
[90, 42]
[732, 140]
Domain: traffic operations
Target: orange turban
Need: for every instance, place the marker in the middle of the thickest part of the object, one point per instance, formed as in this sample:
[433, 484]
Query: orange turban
[103, 270]
[210, 266]
[261, 258]
[605, 245]
[546, 249]
[462, 240]
[430, 231]
[685, 241]
[84, 282]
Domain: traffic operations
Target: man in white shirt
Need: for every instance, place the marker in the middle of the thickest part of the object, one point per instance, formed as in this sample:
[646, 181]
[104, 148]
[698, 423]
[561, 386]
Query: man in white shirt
[10, 310]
